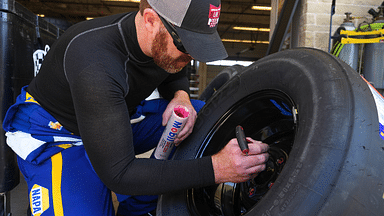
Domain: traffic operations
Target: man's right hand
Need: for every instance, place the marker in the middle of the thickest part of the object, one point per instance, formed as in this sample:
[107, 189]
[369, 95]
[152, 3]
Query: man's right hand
[231, 165]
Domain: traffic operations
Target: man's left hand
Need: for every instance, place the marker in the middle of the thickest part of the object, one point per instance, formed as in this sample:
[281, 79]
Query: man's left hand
[181, 98]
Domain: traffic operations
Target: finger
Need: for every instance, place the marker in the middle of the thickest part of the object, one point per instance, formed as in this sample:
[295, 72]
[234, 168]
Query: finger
[166, 115]
[179, 140]
[257, 147]
[187, 130]
[256, 160]
[254, 171]
[250, 140]
[254, 175]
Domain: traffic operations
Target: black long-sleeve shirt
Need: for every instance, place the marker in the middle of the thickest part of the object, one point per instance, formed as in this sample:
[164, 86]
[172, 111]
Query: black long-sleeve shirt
[92, 78]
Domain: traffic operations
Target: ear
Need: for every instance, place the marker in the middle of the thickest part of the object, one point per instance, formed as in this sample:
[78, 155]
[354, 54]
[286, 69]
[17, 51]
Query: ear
[152, 21]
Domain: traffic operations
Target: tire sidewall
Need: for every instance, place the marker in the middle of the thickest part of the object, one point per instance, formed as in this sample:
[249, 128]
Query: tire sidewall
[220, 79]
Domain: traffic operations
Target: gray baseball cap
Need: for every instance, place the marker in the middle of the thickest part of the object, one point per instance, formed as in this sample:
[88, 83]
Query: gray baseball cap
[196, 24]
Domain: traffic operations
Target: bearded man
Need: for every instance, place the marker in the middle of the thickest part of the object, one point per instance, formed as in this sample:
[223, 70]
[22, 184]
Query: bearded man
[74, 127]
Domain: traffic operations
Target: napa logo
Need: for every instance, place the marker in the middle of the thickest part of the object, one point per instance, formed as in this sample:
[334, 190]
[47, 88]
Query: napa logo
[55, 125]
[39, 200]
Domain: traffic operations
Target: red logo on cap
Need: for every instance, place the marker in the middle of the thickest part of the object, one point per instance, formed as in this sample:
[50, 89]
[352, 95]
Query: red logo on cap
[214, 14]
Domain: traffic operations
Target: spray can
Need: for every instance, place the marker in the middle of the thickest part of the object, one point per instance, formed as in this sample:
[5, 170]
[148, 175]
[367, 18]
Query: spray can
[175, 124]
[373, 60]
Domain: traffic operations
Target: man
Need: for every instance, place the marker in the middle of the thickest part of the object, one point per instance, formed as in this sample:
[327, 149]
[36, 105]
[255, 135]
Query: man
[71, 126]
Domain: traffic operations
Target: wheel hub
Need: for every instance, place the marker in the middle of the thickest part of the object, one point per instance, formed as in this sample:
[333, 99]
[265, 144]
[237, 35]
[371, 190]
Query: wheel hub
[266, 116]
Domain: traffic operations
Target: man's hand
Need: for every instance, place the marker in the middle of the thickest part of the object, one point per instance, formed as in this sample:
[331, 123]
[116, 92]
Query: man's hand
[181, 98]
[231, 165]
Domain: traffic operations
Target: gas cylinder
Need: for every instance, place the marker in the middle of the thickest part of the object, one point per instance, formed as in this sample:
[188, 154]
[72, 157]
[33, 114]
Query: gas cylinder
[373, 60]
[349, 52]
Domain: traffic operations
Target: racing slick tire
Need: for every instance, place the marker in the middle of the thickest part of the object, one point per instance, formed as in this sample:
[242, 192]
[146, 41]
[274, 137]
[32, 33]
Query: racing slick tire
[321, 121]
[219, 80]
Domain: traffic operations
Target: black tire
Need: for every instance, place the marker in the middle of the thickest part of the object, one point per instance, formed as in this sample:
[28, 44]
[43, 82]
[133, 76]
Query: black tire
[331, 139]
[219, 80]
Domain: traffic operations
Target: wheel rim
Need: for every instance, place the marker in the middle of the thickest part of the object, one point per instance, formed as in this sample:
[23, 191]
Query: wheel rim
[269, 116]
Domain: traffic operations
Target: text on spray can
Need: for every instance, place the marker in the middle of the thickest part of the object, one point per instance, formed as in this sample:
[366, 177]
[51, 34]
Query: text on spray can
[175, 124]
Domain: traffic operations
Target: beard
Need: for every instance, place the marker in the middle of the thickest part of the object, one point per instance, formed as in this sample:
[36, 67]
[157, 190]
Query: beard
[164, 60]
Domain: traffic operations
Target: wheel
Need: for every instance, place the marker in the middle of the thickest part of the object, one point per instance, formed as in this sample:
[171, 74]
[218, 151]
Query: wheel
[219, 80]
[319, 118]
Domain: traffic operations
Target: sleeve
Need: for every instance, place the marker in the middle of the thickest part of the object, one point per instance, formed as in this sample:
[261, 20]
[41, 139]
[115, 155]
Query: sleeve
[174, 82]
[104, 126]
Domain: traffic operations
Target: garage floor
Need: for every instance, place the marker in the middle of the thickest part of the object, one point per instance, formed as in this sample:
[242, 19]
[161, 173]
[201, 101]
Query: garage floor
[19, 195]
[19, 198]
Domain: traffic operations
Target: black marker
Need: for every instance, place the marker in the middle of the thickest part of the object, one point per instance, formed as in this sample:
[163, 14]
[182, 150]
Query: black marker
[243, 144]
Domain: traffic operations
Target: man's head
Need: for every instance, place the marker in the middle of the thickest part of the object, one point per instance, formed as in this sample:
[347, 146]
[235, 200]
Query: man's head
[161, 48]
[192, 25]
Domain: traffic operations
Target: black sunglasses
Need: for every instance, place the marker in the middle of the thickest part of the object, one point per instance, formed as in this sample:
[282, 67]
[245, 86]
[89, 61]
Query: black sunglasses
[176, 39]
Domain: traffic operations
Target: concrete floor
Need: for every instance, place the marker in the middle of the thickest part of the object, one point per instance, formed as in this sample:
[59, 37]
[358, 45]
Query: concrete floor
[19, 195]
[19, 198]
